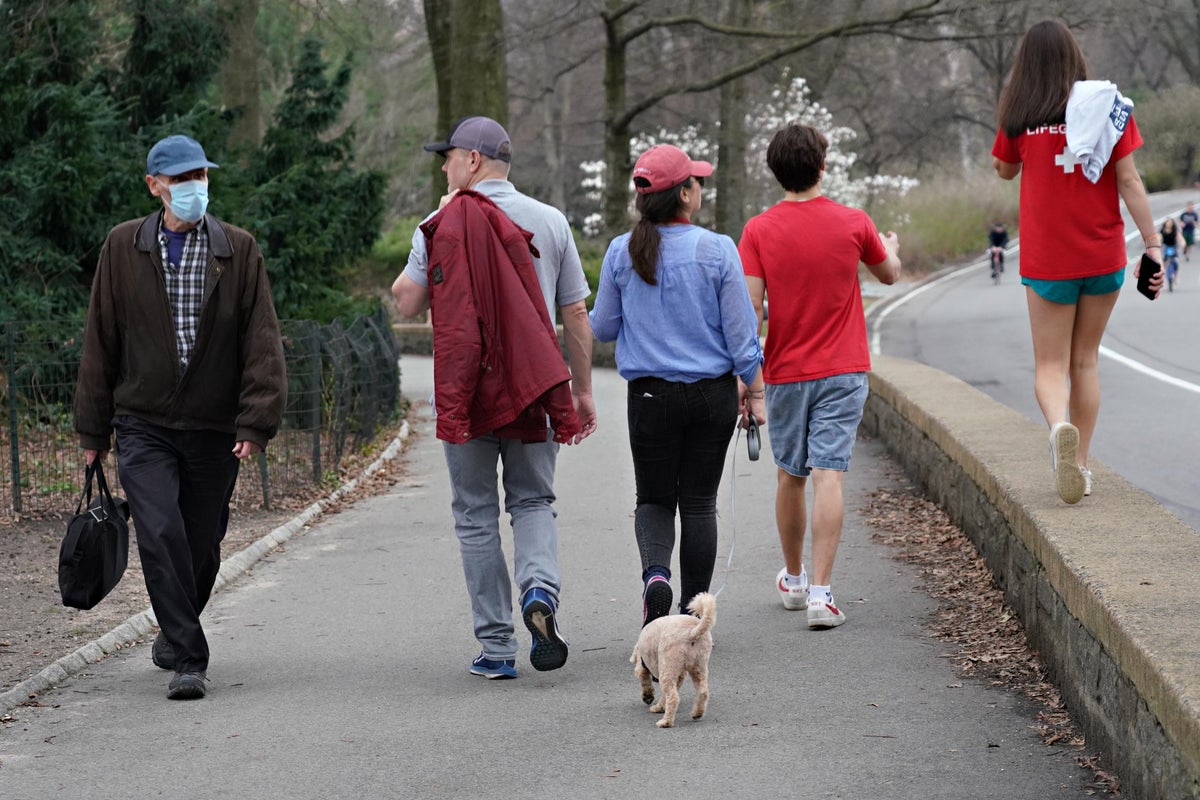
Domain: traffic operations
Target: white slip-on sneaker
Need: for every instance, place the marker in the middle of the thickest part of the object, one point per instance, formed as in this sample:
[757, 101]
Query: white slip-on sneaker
[1068, 477]
[823, 613]
[1087, 481]
[794, 597]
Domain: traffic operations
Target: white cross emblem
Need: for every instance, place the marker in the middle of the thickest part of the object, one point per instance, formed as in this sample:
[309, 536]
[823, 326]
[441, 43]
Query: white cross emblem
[1066, 160]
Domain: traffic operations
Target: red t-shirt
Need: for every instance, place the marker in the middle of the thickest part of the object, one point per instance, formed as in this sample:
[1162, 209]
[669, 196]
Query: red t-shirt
[1070, 227]
[808, 254]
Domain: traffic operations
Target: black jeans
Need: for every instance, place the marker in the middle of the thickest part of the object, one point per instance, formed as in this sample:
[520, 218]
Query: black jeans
[679, 434]
[178, 484]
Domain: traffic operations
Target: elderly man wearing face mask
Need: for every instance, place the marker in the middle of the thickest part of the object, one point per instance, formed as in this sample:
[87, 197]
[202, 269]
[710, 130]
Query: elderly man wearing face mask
[182, 361]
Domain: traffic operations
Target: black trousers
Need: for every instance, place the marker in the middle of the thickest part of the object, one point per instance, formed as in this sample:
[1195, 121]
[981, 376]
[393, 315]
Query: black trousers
[679, 434]
[178, 484]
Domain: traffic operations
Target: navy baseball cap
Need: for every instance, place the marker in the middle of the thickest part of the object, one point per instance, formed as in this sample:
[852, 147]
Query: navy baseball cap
[176, 155]
[476, 133]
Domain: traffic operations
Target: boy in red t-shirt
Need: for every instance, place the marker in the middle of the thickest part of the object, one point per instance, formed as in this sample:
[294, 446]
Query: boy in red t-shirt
[805, 252]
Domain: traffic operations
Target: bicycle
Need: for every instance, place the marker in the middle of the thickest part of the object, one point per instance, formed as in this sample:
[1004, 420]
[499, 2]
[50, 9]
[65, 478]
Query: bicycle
[997, 256]
[1171, 262]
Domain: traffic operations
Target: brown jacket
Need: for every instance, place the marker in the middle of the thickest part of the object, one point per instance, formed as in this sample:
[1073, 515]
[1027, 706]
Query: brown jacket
[235, 381]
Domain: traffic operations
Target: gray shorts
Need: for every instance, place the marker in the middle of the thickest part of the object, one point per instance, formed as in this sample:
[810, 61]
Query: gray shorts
[813, 424]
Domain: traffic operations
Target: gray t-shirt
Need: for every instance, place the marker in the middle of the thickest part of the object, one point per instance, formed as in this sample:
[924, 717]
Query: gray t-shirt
[559, 270]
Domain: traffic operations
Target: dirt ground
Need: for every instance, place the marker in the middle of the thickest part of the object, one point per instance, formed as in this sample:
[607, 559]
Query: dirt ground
[36, 629]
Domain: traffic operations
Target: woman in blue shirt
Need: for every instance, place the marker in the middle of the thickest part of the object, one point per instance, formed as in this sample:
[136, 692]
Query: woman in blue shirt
[674, 298]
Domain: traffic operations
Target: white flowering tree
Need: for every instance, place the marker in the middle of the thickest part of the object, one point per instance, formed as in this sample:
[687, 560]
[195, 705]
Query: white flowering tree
[788, 104]
[792, 103]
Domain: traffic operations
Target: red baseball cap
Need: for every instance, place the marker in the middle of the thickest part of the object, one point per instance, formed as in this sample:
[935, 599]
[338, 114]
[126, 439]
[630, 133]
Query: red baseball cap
[665, 166]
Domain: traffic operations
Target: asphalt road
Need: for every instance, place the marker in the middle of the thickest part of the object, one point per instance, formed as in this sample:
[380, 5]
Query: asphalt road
[340, 671]
[1149, 366]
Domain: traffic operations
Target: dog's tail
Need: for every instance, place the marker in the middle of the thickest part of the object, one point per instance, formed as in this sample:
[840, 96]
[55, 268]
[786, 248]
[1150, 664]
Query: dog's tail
[704, 606]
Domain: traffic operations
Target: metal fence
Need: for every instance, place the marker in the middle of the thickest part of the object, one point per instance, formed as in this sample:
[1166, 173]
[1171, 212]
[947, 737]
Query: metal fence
[343, 387]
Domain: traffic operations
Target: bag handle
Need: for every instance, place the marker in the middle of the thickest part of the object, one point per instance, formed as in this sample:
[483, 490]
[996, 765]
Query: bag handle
[86, 494]
[102, 484]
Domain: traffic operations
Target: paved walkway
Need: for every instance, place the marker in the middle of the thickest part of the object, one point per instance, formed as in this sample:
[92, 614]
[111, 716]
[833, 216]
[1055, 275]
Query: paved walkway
[340, 671]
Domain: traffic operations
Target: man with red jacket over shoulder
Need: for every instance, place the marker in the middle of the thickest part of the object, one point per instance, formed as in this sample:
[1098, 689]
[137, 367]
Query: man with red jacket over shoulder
[477, 155]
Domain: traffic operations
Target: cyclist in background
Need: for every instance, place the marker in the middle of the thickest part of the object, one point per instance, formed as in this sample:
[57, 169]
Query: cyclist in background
[997, 241]
[1172, 238]
[1188, 219]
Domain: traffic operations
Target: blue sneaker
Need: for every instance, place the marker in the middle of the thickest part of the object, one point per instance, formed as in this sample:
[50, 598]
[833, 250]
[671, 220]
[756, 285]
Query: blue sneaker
[549, 649]
[491, 668]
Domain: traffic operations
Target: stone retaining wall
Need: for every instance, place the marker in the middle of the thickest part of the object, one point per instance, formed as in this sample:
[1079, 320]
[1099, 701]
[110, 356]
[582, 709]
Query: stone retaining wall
[1108, 590]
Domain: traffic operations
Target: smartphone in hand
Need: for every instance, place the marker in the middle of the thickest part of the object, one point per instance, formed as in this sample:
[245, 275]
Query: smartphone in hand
[1148, 270]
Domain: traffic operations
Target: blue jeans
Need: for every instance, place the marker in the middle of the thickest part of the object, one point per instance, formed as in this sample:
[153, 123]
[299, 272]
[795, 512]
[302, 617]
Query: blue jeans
[528, 478]
[679, 434]
[814, 423]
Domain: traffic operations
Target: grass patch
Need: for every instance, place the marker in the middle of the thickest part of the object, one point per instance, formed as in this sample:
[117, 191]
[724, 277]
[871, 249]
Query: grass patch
[946, 219]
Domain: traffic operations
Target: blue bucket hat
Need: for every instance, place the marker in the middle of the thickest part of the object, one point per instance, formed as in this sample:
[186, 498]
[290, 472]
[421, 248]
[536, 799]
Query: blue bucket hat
[176, 155]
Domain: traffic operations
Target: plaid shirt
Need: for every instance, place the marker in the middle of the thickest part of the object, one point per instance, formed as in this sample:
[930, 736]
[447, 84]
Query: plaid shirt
[185, 288]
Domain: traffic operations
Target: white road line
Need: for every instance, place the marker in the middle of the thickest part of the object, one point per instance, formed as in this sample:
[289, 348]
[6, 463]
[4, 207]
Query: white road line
[1104, 351]
[1171, 380]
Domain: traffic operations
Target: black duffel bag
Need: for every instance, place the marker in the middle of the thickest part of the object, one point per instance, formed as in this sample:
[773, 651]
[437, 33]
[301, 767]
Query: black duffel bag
[96, 548]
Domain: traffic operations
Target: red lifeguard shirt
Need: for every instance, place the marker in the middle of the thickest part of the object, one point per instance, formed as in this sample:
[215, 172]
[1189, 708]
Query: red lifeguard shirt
[1070, 227]
[808, 255]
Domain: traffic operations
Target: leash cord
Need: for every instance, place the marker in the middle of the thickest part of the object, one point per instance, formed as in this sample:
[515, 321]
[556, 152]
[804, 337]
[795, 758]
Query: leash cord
[737, 437]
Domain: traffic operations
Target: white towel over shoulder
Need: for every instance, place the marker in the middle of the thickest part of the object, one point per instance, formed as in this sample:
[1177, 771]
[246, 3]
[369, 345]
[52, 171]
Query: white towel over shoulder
[1097, 114]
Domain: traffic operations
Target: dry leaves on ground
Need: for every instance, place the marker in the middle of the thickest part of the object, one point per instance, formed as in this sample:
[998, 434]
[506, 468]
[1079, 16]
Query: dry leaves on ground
[990, 642]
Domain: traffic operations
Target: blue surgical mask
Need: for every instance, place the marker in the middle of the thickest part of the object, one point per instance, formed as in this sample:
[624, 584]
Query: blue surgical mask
[189, 200]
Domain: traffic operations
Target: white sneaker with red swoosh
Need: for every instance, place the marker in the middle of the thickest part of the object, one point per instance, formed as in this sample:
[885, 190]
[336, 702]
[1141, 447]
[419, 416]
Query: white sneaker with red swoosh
[794, 597]
[823, 613]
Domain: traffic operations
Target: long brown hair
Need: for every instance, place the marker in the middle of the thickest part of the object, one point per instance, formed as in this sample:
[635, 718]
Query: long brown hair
[655, 208]
[1047, 63]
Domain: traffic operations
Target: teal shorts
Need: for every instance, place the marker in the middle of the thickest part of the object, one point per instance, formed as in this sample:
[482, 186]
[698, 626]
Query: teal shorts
[1067, 291]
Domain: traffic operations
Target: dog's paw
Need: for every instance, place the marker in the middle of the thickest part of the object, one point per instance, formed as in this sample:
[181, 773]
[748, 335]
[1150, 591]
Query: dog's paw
[657, 708]
[697, 714]
[648, 696]
[665, 723]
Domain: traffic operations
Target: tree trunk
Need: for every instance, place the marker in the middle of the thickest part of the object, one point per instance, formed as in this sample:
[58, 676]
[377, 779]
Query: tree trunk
[553, 145]
[478, 77]
[466, 38]
[730, 177]
[616, 134]
[438, 14]
[239, 75]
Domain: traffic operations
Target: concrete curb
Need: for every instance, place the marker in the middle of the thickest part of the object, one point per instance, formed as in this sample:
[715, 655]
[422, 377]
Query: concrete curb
[1106, 589]
[141, 624]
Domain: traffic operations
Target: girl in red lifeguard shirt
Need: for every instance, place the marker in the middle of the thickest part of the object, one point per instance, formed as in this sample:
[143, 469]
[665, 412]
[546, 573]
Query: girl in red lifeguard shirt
[1072, 265]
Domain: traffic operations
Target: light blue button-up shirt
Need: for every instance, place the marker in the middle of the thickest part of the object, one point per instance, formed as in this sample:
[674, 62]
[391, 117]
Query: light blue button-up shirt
[697, 322]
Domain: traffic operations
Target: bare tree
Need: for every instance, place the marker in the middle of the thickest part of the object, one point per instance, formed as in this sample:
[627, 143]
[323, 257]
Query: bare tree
[627, 21]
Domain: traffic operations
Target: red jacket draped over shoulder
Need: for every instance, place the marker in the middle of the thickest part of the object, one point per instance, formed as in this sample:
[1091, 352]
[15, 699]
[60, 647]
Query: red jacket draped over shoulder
[497, 365]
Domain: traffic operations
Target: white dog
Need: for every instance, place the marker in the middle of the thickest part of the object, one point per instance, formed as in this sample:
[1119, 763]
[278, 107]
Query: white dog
[671, 647]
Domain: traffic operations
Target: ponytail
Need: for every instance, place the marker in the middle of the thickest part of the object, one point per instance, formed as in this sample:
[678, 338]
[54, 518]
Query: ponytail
[655, 208]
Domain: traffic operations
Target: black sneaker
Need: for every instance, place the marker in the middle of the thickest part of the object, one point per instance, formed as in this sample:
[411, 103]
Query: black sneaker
[549, 649]
[162, 653]
[186, 686]
[656, 599]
